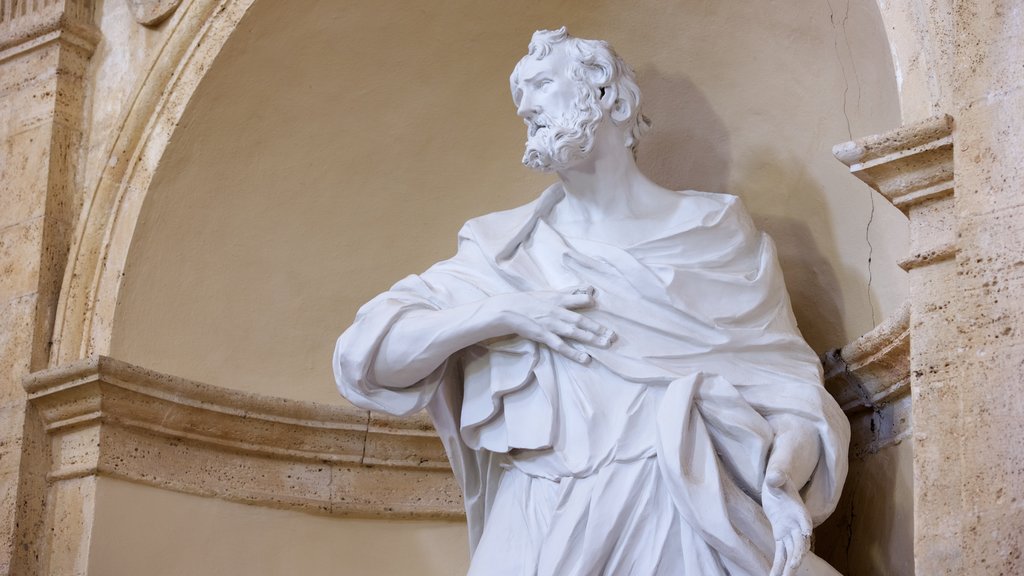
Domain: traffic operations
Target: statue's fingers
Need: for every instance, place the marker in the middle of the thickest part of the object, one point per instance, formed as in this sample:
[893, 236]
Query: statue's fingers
[602, 335]
[572, 331]
[780, 559]
[581, 289]
[553, 341]
[775, 478]
[588, 324]
[805, 523]
[580, 297]
[799, 548]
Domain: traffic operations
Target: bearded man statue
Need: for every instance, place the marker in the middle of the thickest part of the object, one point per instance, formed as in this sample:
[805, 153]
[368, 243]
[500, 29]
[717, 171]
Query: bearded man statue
[614, 368]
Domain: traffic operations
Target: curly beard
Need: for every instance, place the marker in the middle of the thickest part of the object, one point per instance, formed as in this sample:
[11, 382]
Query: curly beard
[553, 144]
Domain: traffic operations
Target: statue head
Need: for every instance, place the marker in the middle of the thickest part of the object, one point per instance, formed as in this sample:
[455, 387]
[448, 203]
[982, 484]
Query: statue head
[563, 88]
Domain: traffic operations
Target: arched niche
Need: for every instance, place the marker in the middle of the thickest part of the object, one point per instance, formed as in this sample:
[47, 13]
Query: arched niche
[285, 162]
[331, 150]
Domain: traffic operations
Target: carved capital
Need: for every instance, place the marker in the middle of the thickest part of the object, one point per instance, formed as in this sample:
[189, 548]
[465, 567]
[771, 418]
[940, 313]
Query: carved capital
[109, 418]
[912, 167]
[152, 12]
[911, 164]
[26, 25]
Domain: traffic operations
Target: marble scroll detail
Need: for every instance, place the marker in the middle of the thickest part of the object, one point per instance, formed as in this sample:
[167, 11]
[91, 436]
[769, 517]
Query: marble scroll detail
[152, 12]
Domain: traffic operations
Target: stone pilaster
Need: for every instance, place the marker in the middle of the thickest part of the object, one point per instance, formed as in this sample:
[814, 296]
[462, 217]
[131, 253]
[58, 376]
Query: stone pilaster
[44, 52]
[988, 93]
[912, 167]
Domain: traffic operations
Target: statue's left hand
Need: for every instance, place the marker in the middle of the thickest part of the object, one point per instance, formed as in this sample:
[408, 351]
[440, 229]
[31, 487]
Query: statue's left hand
[791, 524]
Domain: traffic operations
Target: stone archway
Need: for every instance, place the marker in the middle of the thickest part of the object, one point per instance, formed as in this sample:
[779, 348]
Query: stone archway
[91, 285]
[110, 224]
[111, 209]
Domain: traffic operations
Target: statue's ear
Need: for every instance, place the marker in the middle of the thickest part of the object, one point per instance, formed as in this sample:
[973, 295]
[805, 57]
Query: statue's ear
[620, 111]
[617, 107]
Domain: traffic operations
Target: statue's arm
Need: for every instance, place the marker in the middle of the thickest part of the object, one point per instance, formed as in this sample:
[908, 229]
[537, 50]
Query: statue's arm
[794, 454]
[793, 459]
[421, 339]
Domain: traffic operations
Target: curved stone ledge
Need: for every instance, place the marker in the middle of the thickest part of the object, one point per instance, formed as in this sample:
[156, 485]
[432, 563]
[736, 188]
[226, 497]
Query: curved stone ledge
[109, 418]
[870, 378]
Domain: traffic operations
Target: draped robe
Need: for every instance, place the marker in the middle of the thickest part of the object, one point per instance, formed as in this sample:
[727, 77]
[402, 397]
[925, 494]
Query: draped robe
[649, 459]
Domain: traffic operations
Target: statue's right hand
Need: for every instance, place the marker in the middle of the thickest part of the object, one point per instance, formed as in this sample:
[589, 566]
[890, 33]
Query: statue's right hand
[549, 317]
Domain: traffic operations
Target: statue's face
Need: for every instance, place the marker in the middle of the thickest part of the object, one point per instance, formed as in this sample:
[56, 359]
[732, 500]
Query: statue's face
[548, 93]
[559, 121]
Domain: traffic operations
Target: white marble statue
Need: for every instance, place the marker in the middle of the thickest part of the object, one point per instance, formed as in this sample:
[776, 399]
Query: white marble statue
[614, 368]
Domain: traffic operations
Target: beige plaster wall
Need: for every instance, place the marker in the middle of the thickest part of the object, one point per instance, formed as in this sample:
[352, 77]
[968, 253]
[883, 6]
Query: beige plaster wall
[142, 530]
[872, 530]
[335, 147]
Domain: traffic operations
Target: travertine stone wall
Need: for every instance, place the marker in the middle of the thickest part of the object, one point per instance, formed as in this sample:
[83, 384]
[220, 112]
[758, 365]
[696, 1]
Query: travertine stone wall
[983, 364]
[44, 54]
[921, 34]
[967, 284]
[967, 278]
[912, 167]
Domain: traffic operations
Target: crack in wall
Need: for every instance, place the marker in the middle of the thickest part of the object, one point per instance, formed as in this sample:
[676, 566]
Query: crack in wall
[850, 522]
[839, 58]
[849, 131]
[366, 437]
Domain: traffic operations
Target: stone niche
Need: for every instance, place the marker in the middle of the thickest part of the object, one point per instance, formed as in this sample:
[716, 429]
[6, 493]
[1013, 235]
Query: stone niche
[220, 195]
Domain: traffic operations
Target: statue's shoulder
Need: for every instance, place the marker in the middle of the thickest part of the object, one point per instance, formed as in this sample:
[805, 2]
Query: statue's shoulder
[511, 222]
[501, 218]
[718, 204]
[712, 200]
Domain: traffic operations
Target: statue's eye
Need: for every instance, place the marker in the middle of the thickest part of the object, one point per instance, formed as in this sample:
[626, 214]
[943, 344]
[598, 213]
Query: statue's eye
[543, 82]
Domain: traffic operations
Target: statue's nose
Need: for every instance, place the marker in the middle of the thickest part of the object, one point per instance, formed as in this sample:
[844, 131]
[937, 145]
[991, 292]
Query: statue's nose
[526, 108]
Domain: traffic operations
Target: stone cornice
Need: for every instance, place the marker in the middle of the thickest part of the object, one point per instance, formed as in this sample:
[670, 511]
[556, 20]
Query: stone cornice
[912, 167]
[27, 25]
[109, 418]
[870, 378]
[909, 165]
[873, 369]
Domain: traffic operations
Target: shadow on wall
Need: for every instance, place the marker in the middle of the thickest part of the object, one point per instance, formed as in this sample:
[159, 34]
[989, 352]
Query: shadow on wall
[688, 149]
[812, 283]
[688, 145]
[774, 189]
[872, 526]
